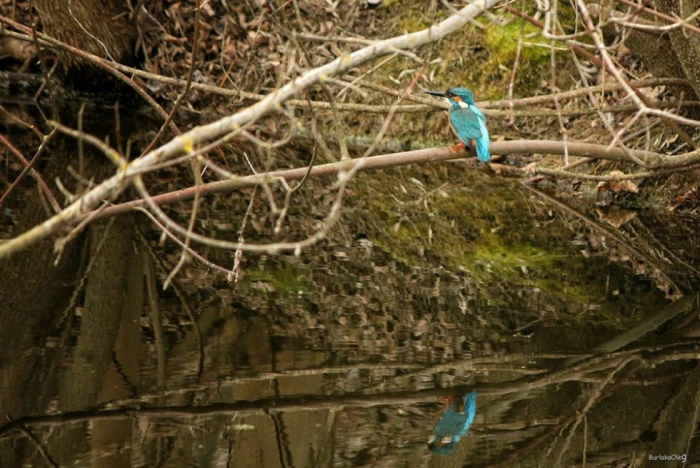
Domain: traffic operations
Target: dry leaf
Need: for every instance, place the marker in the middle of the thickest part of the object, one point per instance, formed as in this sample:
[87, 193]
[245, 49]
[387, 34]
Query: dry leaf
[618, 185]
[616, 217]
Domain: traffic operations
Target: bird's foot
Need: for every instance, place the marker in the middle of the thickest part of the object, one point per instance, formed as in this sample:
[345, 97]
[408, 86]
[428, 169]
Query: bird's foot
[458, 148]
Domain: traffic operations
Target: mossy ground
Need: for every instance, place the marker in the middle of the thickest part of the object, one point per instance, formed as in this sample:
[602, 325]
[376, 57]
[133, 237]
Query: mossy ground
[462, 220]
[283, 277]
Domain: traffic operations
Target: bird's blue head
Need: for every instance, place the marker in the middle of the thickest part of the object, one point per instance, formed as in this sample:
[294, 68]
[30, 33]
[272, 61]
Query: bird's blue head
[455, 96]
[461, 93]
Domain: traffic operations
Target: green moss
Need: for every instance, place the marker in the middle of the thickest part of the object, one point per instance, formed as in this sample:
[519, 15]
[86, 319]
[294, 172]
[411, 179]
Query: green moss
[487, 231]
[412, 23]
[503, 43]
[285, 278]
[515, 256]
[480, 59]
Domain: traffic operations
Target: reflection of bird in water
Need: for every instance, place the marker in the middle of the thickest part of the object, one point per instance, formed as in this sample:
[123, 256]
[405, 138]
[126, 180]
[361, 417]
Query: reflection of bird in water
[453, 424]
[467, 121]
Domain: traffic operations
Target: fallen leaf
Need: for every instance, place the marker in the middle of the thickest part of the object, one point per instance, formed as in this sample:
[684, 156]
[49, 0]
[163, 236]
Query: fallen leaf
[618, 185]
[616, 217]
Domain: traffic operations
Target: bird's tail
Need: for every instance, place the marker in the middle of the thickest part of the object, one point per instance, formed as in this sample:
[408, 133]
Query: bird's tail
[482, 149]
[469, 406]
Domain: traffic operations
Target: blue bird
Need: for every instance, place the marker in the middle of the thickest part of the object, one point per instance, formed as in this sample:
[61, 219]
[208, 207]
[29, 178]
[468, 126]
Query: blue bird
[453, 424]
[467, 121]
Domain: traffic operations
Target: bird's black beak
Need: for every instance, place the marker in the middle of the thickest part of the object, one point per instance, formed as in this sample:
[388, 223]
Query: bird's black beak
[436, 93]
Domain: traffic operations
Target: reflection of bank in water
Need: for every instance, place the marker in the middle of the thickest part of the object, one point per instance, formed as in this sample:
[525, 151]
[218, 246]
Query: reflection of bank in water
[453, 424]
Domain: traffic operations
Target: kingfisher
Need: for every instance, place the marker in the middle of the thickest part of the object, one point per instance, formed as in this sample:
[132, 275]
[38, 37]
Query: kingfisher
[467, 121]
[453, 424]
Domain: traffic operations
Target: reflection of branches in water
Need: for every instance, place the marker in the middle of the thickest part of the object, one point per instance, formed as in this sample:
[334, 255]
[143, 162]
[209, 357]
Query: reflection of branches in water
[646, 355]
[676, 424]
[264, 376]
[119, 369]
[242, 408]
[632, 359]
[283, 445]
[679, 412]
[600, 391]
[557, 430]
[479, 364]
[37, 443]
[155, 314]
[683, 305]
[595, 396]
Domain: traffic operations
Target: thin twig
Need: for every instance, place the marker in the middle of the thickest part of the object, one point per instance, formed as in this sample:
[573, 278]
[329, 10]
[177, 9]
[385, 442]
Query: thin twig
[30, 167]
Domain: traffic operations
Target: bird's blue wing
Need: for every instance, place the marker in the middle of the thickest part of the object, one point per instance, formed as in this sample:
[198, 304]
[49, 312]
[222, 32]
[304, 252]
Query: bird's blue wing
[470, 124]
[466, 124]
[482, 144]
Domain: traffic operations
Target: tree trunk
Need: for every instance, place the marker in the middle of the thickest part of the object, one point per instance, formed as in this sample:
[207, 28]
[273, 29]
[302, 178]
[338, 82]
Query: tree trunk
[101, 27]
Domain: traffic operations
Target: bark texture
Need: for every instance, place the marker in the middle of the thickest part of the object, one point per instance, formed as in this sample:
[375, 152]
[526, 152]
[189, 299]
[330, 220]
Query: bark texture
[686, 44]
[101, 27]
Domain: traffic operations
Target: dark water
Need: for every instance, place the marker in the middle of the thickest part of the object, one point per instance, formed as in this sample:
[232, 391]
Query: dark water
[346, 354]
